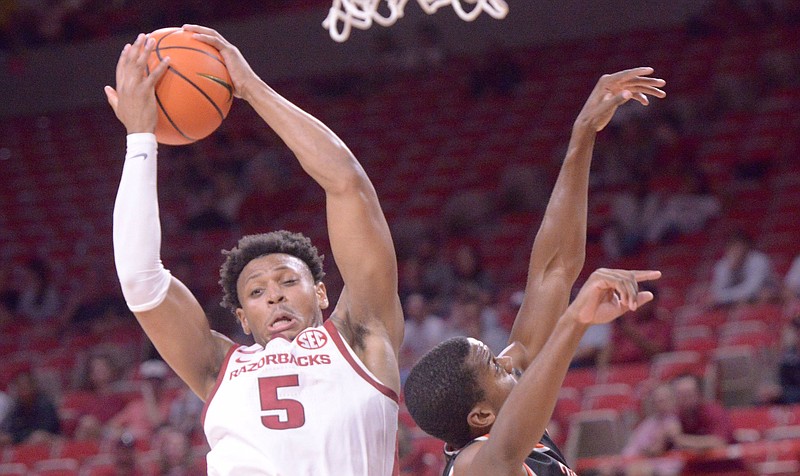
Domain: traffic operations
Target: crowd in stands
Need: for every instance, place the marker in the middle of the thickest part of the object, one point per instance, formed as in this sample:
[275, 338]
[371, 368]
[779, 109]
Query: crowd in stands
[28, 25]
[665, 192]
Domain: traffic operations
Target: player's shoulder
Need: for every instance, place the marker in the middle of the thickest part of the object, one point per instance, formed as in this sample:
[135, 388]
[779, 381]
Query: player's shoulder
[466, 455]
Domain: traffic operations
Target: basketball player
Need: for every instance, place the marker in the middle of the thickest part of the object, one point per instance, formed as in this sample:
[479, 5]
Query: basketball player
[460, 391]
[308, 397]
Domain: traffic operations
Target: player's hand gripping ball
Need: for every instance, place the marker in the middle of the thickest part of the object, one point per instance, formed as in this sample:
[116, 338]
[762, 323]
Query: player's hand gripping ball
[196, 92]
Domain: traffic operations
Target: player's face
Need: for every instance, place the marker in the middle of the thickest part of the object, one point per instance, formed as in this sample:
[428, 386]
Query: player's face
[279, 297]
[496, 375]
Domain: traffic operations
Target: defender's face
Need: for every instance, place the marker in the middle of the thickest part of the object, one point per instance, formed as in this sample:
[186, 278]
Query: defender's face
[495, 374]
[279, 298]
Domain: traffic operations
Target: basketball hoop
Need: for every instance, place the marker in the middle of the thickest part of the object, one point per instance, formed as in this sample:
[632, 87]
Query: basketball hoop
[361, 13]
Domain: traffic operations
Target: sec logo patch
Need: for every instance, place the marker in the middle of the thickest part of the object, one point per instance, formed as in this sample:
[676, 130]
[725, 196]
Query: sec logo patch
[311, 339]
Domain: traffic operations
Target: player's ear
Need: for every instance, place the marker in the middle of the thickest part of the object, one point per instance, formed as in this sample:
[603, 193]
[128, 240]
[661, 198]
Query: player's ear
[481, 417]
[322, 295]
[243, 320]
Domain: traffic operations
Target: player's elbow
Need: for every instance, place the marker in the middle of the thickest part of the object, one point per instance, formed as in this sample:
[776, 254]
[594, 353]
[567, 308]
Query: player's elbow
[350, 182]
[568, 265]
[573, 263]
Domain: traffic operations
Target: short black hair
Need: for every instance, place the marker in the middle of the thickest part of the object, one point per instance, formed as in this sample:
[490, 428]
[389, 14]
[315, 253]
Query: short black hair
[442, 389]
[251, 247]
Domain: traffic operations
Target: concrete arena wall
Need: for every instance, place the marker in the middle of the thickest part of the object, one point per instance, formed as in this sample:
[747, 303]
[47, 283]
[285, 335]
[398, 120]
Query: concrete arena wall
[66, 77]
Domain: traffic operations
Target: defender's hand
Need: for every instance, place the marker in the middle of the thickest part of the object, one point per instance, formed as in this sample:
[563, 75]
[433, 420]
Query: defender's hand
[614, 90]
[609, 293]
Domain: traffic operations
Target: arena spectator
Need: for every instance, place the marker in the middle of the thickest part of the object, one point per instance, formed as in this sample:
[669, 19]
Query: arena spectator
[742, 274]
[96, 378]
[685, 212]
[468, 271]
[638, 336]
[704, 422]
[787, 388]
[594, 348]
[174, 454]
[39, 298]
[632, 212]
[423, 330]
[653, 435]
[185, 413]
[144, 414]
[791, 283]
[469, 316]
[33, 417]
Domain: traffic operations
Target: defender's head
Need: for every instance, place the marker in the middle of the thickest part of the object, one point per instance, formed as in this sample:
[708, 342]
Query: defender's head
[456, 390]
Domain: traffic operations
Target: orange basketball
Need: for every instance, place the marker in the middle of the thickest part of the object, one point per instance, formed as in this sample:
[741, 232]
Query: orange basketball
[196, 92]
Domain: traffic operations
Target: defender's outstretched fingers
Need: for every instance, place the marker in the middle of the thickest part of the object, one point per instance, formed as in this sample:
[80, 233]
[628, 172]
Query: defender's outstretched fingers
[646, 275]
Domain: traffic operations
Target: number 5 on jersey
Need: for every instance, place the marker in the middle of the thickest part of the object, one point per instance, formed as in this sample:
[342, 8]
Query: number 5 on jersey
[290, 413]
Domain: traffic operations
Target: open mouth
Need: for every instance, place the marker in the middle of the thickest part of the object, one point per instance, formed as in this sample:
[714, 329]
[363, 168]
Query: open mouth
[281, 324]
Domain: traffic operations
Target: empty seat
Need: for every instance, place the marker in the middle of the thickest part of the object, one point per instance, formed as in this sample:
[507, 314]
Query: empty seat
[595, 433]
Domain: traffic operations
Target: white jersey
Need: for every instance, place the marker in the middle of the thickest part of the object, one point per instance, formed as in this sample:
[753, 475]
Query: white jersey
[306, 407]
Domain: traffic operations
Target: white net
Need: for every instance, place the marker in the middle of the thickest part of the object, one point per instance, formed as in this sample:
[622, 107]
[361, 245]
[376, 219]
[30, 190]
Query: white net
[344, 15]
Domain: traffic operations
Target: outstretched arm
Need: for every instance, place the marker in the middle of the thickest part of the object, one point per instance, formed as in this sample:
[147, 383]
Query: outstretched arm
[167, 311]
[521, 422]
[558, 251]
[359, 235]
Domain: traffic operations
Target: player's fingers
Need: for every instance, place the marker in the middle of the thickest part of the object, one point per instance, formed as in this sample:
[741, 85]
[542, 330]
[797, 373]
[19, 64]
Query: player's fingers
[136, 47]
[201, 32]
[641, 98]
[157, 72]
[646, 275]
[200, 29]
[112, 97]
[144, 52]
[628, 281]
[621, 97]
[649, 90]
[121, 62]
[643, 298]
[212, 40]
[631, 73]
[646, 81]
[132, 54]
[616, 282]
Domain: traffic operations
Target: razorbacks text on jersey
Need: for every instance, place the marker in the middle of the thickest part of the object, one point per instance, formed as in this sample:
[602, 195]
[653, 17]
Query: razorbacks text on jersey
[306, 407]
[544, 460]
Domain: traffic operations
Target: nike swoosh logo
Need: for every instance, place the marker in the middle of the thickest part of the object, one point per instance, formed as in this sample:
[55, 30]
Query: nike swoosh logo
[240, 361]
[143, 155]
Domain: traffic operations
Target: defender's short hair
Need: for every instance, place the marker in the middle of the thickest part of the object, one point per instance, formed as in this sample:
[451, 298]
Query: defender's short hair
[251, 247]
[442, 389]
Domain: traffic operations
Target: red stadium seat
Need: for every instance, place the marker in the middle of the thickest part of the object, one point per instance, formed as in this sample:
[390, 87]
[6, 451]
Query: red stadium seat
[78, 450]
[13, 469]
[28, 453]
[747, 421]
[616, 396]
[56, 467]
[580, 378]
[631, 374]
[568, 403]
[669, 365]
[99, 465]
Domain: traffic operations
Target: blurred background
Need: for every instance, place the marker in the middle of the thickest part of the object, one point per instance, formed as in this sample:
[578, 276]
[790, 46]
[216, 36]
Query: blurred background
[462, 127]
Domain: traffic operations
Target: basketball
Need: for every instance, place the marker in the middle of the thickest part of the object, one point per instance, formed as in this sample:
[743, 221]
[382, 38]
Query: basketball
[196, 92]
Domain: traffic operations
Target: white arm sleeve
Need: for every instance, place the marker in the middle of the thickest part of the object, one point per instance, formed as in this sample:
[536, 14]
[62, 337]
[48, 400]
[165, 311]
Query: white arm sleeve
[137, 230]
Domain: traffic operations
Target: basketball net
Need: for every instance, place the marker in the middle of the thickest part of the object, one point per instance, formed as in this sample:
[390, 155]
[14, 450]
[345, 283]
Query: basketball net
[346, 14]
